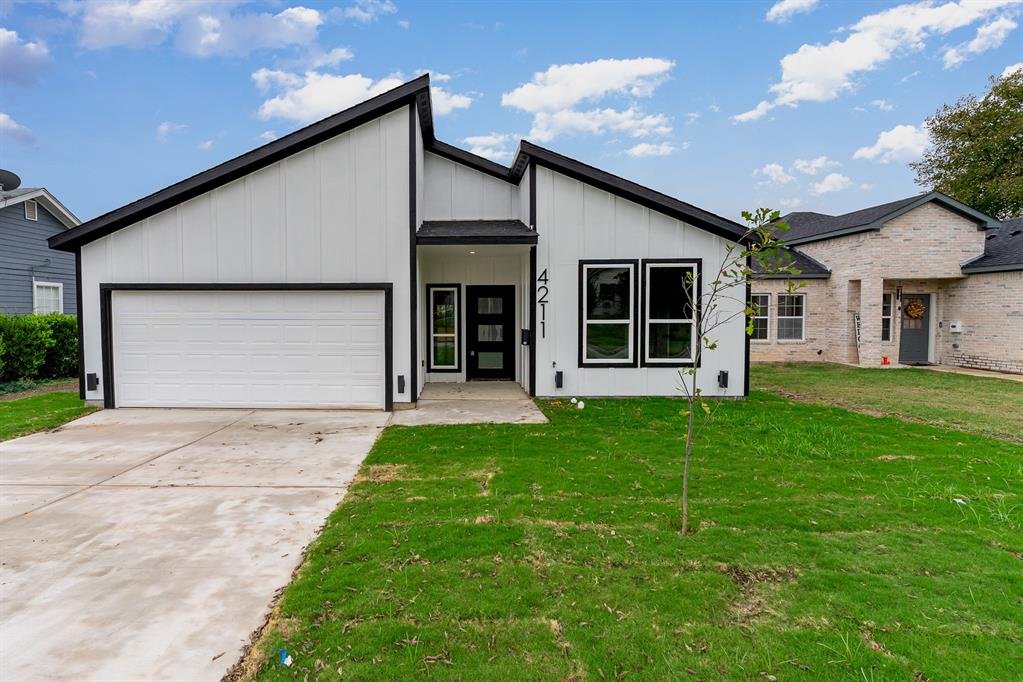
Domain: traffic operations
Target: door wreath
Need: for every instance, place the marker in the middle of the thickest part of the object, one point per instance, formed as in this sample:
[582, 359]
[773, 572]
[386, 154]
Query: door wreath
[915, 309]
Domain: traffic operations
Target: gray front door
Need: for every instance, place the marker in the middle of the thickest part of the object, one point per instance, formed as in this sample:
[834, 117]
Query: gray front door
[916, 329]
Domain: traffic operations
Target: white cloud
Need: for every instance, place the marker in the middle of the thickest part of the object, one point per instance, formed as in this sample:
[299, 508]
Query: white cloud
[790, 203]
[553, 97]
[565, 85]
[713, 107]
[832, 182]
[901, 143]
[267, 79]
[814, 166]
[882, 104]
[822, 72]
[21, 61]
[404, 23]
[314, 95]
[201, 28]
[205, 145]
[166, 128]
[989, 36]
[548, 125]
[648, 149]
[494, 146]
[268, 136]
[445, 102]
[782, 11]
[1011, 69]
[774, 173]
[365, 11]
[332, 58]
[692, 117]
[14, 130]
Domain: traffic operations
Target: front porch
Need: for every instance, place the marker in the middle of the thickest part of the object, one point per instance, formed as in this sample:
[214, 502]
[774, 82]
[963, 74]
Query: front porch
[474, 402]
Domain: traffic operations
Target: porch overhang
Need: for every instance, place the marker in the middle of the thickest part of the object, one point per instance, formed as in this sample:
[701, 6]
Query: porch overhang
[474, 232]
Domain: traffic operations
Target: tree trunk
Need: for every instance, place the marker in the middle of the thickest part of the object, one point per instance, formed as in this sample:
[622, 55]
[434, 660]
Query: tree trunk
[685, 468]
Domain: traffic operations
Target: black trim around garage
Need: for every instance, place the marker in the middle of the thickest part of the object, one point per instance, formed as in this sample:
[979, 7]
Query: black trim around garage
[697, 308]
[106, 315]
[79, 323]
[745, 329]
[635, 318]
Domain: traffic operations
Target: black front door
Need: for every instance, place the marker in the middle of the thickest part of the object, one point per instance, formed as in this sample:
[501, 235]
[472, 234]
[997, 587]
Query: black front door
[916, 329]
[490, 332]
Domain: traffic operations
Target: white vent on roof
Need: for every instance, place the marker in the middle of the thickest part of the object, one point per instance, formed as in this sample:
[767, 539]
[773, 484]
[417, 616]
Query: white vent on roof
[31, 210]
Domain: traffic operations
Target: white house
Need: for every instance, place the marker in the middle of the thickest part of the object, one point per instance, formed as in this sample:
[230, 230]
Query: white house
[354, 260]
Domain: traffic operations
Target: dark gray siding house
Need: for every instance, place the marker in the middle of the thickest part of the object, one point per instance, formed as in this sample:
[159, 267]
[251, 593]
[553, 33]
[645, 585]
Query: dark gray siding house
[34, 278]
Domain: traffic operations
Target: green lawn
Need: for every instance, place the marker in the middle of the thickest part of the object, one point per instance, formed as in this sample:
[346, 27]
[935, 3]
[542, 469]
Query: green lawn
[978, 405]
[829, 545]
[39, 412]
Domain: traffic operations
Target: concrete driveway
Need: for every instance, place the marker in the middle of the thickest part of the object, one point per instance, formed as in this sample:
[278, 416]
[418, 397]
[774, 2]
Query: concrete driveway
[148, 544]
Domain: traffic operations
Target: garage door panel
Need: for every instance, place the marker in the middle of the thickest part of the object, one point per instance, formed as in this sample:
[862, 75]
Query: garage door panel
[248, 349]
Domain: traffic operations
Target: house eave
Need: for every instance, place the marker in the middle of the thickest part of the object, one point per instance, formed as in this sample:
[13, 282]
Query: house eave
[50, 202]
[1007, 267]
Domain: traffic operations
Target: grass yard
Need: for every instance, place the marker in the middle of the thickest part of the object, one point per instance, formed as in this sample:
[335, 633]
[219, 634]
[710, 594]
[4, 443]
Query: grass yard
[39, 412]
[992, 407]
[830, 545]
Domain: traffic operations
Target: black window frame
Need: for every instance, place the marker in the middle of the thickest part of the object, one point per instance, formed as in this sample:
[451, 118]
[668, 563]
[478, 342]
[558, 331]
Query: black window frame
[696, 263]
[429, 329]
[634, 315]
[762, 313]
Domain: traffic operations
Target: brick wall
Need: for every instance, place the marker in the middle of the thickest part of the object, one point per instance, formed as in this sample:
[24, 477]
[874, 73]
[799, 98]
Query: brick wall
[815, 325]
[990, 308]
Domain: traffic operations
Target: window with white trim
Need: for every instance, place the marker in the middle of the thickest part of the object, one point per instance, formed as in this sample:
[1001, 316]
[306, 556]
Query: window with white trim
[790, 315]
[608, 308]
[31, 210]
[761, 304]
[886, 317]
[47, 297]
[444, 352]
[669, 311]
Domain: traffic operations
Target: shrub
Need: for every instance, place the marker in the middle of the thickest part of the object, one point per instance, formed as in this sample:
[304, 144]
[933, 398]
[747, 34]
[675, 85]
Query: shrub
[25, 341]
[1, 356]
[62, 357]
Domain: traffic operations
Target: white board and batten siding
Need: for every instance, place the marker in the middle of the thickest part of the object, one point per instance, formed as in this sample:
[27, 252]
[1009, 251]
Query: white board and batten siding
[453, 191]
[577, 221]
[337, 212]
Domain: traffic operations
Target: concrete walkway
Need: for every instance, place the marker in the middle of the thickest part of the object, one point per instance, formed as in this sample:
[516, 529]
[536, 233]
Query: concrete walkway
[148, 544]
[475, 402]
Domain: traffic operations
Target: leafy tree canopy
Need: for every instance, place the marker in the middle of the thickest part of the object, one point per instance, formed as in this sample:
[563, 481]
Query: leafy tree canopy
[976, 152]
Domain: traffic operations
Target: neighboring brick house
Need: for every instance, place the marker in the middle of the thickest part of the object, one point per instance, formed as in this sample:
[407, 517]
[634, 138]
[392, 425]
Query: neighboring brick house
[928, 280]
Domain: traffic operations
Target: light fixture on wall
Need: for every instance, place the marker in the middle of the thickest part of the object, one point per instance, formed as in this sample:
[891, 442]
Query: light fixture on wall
[472, 253]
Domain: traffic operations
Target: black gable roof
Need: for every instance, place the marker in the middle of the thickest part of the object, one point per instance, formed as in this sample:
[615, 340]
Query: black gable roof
[1003, 249]
[809, 268]
[810, 227]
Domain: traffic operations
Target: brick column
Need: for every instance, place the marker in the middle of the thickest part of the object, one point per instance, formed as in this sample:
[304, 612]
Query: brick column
[870, 322]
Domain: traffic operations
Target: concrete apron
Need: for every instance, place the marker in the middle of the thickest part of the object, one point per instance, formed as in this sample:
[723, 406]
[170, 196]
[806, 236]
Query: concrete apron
[478, 402]
[148, 544]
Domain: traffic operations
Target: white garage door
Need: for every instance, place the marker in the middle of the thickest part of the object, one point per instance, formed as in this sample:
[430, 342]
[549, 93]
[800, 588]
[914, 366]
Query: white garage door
[248, 348]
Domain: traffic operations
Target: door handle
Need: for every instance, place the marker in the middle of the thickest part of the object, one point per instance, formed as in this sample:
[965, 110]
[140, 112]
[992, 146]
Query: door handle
[472, 353]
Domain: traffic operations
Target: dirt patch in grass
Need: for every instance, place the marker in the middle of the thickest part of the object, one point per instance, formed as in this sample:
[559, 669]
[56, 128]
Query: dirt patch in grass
[753, 586]
[380, 473]
[47, 387]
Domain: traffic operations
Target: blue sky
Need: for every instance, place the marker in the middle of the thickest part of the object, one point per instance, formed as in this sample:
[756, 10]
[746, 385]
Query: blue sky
[796, 105]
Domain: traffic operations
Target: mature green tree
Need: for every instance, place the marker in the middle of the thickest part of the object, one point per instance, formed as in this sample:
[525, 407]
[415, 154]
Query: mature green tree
[976, 152]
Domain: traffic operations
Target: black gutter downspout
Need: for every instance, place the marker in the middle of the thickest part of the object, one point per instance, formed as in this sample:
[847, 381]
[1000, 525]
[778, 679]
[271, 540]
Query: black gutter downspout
[532, 283]
[745, 332]
[413, 265]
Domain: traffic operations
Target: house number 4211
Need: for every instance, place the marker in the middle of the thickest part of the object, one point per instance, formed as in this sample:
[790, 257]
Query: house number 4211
[541, 300]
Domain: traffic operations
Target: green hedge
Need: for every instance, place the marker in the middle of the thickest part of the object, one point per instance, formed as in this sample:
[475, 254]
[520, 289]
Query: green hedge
[38, 346]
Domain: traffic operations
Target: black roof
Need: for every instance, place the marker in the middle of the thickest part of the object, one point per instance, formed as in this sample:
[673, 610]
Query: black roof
[809, 268]
[805, 226]
[415, 92]
[475, 232]
[1003, 249]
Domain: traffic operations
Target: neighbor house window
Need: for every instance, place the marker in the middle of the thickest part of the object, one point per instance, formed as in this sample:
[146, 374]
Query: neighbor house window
[47, 297]
[444, 351]
[886, 317]
[31, 210]
[761, 310]
[790, 313]
[607, 294]
[669, 311]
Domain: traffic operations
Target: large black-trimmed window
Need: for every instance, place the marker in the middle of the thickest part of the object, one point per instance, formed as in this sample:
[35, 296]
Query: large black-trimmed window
[444, 353]
[790, 314]
[670, 307]
[886, 317]
[761, 304]
[607, 302]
